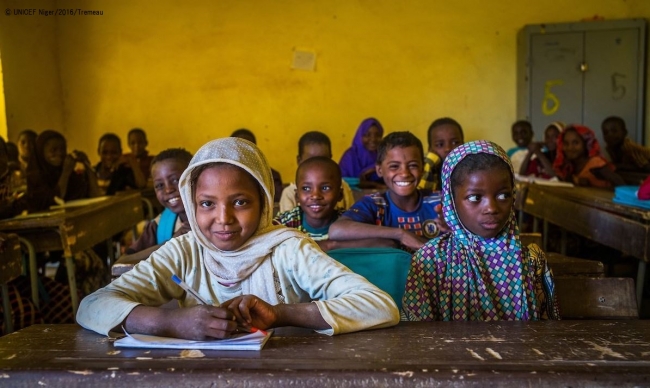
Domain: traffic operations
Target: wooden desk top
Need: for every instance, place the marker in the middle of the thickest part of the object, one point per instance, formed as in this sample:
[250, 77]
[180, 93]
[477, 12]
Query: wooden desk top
[576, 353]
[78, 228]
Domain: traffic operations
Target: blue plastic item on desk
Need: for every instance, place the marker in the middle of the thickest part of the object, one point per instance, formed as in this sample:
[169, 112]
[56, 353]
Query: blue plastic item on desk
[626, 195]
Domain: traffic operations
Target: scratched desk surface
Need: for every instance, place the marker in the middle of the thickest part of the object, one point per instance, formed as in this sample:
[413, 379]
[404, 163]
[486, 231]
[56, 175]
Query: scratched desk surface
[571, 353]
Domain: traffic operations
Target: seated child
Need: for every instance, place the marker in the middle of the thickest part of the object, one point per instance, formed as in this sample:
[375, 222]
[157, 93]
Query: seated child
[359, 160]
[522, 135]
[252, 273]
[115, 172]
[626, 155]
[313, 144]
[166, 170]
[319, 189]
[479, 271]
[51, 173]
[403, 213]
[246, 134]
[137, 140]
[444, 135]
[538, 162]
[26, 144]
[579, 161]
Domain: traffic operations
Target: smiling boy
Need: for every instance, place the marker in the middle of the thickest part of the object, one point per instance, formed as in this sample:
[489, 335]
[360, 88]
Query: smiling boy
[403, 214]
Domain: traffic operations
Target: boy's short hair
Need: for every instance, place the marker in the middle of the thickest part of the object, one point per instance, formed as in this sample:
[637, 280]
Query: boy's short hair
[476, 162]
[180, 154]
[138, 131]
[245, 134]
[321, 161]
[313, 137]
[440, 122]
[30, 133]
[398, 139]
[110, 137]
[522, 122]
[615, 119]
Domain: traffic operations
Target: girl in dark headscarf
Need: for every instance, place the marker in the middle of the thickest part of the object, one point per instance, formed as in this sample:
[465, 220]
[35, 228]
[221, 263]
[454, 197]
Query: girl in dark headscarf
[359, 160]
[51, 173]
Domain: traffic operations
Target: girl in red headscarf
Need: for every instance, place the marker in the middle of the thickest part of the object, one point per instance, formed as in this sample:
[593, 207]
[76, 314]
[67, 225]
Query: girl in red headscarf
[579, 161]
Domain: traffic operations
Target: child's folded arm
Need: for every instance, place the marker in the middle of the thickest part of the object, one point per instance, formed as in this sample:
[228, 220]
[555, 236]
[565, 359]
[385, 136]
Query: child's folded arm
[347, 229]
[345, 300]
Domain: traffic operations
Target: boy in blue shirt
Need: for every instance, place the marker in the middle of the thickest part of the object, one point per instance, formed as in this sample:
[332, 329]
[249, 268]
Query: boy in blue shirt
[403, 213]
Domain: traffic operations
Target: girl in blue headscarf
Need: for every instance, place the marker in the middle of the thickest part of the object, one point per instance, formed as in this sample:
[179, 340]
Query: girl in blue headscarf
[479, 271]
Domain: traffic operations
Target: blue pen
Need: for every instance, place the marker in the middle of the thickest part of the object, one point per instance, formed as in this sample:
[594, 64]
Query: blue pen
[189, 289]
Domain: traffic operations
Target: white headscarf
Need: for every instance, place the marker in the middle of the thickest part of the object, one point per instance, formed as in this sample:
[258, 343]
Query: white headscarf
[248, 264]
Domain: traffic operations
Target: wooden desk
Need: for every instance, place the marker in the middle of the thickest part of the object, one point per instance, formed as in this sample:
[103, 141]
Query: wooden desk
[591, 213]
[74, 230]
[568, 353]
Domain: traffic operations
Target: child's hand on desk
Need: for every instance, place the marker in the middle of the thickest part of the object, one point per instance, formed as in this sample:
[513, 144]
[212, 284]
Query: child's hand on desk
[251, 311]
[411, 240]
[200, 322]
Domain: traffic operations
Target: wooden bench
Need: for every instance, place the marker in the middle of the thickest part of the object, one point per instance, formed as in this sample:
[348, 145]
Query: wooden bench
[602, 298]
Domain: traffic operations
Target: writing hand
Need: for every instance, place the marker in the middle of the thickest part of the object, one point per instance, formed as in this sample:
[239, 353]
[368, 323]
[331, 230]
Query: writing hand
[201, 322]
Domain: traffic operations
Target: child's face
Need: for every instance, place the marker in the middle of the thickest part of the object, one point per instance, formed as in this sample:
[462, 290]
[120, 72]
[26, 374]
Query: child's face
[613, 133]
[314, 149]
[318, 189]
[109, 153]
[401, 170]
[444, 139]
[522, 134]
[166, 174]
[573, 145]
[25, 146]
[228, 206]
[550, 138]
[371, 139]
[484, 200]
[137, 144]
[54, 152]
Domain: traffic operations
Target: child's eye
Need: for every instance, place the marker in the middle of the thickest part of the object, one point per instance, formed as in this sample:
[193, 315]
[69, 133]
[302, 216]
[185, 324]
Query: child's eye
[438, 145]
[158, 186]
[474, 198]
[241, 202]
[205, 203]
[305, 188]
[326, 188]
[414, 165]
[503, 196]
[393, 166]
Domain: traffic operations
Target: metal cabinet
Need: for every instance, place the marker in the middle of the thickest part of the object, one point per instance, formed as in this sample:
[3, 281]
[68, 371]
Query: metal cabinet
[582, 73]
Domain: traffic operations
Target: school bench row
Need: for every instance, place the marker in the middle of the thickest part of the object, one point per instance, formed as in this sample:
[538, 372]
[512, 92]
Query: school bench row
[546, 353]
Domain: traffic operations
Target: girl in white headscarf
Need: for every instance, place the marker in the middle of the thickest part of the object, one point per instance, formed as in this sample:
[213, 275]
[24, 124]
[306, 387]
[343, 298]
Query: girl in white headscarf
[250, 272]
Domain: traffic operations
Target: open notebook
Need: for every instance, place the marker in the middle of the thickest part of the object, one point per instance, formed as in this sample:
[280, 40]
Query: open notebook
[250, 341]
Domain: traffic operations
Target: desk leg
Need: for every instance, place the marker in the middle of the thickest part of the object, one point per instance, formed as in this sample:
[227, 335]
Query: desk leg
[6, 306]
[640, 282]
[33, 270]
[563, 242]
[72, 282]
[111, 252]
[545, 235]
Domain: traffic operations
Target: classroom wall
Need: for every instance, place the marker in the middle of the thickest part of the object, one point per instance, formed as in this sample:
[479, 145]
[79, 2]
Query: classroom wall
[188, 72]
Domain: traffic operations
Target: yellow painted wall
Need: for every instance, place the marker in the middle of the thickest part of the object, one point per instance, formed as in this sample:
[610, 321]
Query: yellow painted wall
[191, 71]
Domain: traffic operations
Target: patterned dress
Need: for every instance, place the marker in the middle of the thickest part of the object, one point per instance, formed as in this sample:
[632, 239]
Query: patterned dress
[462, 276]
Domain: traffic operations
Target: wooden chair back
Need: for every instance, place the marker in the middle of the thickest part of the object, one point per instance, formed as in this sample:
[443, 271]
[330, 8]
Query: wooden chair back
[596, 298]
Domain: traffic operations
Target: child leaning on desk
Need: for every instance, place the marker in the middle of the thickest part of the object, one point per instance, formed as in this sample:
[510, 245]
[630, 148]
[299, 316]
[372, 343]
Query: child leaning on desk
[166, 170]
[479, 271]
[252, 274]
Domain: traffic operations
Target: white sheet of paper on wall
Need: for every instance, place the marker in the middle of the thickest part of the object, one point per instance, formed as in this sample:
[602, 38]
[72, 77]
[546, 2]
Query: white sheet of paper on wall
[303, 60]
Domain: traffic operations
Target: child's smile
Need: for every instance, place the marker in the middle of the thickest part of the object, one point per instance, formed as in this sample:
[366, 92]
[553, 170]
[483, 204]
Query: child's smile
[166, 174]
[401, 170]
[318, 190]
[228, 206]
